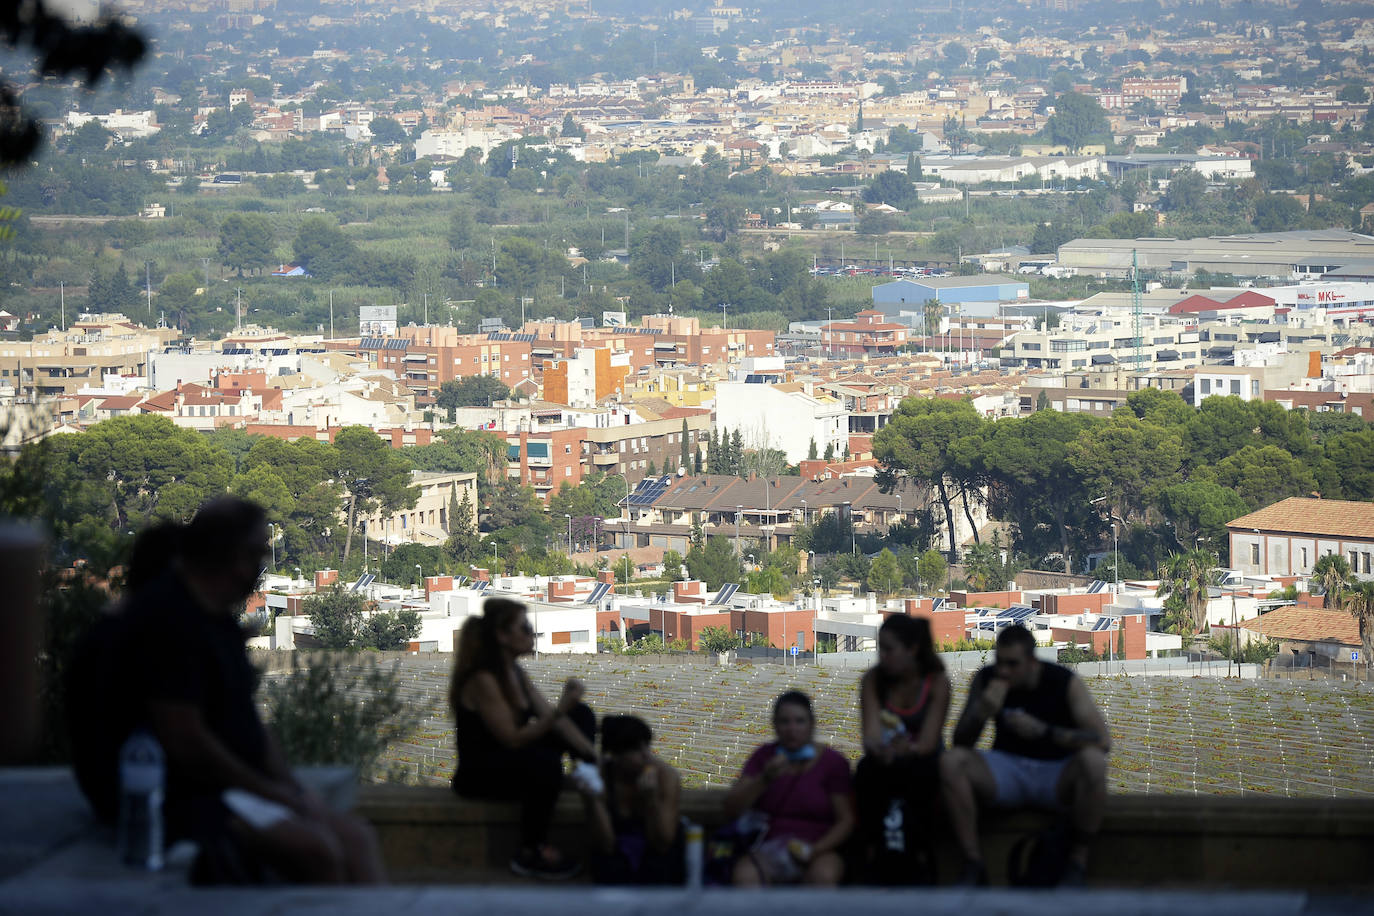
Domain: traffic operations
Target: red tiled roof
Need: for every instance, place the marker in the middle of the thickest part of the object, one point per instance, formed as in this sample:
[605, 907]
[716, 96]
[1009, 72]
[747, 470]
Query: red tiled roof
[1194, 304]
[1336, 518]
[121, 402]
[1249, 300]
[1307, 624]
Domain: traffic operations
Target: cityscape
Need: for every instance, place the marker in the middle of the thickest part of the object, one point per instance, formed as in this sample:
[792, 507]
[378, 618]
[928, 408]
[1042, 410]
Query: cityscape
[716, 337]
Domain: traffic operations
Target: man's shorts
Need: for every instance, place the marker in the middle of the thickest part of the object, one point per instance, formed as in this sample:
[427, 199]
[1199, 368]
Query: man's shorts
[1024, 782]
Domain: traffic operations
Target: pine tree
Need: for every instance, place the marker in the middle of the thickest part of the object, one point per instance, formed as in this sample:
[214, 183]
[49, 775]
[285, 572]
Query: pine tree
[652, 471]
[684, 461]
[121, 293]
[713, 453]
[811, 454]
[913, 167]
[1121, 642]
[97, 292]
[736, 452]
[696, 461]
[830, 451]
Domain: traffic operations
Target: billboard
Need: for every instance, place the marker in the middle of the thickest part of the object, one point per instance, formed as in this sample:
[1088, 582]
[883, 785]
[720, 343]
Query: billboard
[377, 321]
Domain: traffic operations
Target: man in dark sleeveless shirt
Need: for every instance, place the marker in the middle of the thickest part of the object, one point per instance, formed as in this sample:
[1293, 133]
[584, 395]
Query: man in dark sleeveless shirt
[1049, 751]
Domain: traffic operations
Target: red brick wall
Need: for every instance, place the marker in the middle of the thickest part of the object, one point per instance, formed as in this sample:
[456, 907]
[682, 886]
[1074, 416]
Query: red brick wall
[1135, 626]
[780, 628]
[987, 599]
[437, 584]
[563, 590]
[1074, 604]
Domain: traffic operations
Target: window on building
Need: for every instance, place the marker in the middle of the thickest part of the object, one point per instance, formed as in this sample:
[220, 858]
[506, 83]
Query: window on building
[1206, 386]
[1254, 553]
[576, 636]
[1365, 565]
[1235, 386]
[1354, 560]
[1304, 557]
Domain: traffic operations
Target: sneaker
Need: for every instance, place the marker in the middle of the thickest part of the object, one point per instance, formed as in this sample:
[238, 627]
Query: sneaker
[545, 864]
[587, 778]
[973, 874]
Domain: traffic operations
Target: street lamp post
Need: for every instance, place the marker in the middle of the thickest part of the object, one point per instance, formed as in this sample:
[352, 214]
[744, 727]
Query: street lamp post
[569, 518]
[272, 541]
[739, 511]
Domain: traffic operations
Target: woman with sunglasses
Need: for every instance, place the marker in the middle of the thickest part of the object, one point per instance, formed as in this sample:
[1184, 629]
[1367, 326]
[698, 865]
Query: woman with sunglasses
[511, 740]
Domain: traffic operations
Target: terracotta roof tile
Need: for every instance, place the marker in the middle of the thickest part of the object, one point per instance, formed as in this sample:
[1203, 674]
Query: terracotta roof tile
[1302, 515]
[1304, 624]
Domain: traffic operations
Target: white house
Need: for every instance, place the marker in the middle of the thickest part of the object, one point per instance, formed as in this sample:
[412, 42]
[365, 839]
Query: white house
[790, 417]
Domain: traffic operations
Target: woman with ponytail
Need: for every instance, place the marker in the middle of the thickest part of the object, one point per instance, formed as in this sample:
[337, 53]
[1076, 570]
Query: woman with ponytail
[511, 740]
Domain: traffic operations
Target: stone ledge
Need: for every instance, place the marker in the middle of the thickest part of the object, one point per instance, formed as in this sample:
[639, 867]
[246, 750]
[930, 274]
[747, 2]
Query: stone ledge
[428, 834]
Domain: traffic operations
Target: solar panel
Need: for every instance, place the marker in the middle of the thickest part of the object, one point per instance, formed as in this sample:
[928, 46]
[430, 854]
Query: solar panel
[363, 582]
[481, 585]
[939, 603]
[462, 581]
[1018, 612]
[726, 592]
[1097, 588]
[1103, 623]
[648, 490]
[601, 591]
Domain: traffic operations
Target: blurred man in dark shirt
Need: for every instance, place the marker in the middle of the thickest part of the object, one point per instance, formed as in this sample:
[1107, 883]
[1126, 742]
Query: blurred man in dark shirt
[1049, 751]
[193, 686]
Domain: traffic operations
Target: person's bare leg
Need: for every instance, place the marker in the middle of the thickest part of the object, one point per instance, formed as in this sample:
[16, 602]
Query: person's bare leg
[825, 870]
[747, 873]
[1083, 789]
[965, 780]
[362, 855]
[304, 851]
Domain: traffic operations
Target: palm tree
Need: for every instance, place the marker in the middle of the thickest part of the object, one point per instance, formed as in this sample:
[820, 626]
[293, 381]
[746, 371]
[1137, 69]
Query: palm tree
[1332, 573]
[1187, 576]
[1359, 601]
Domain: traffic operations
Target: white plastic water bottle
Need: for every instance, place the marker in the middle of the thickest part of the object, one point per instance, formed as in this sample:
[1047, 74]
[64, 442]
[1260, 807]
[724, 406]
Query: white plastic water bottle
[142, 774]
[693, 856]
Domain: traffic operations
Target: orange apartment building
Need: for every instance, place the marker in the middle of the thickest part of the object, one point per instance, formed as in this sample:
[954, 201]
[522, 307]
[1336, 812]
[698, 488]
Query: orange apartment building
[425, 358]
[546, 459]
[868, 333]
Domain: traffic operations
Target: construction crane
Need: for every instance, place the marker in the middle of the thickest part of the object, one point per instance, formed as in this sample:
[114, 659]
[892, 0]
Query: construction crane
[1137, 307]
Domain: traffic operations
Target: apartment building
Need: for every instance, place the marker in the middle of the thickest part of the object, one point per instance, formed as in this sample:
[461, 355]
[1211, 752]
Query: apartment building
[618, 440]
[430, 521]
[1165, 91]
[60, 363]
[1108, 338]
[583, 380]
[424, 358]
[869, 333]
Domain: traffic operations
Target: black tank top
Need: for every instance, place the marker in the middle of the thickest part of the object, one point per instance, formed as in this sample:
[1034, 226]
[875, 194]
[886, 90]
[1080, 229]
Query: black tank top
[478, 748]
[1048, 701]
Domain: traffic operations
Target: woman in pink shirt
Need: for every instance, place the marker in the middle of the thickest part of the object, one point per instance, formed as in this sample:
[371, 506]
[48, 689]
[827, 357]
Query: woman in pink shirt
[803, 790]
